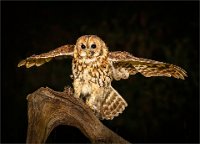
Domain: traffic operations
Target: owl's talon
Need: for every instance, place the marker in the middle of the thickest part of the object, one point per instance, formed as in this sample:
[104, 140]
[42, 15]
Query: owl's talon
[72, 77]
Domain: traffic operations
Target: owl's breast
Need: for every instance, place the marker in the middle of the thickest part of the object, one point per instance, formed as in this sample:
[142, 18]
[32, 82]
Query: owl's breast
[94, 73]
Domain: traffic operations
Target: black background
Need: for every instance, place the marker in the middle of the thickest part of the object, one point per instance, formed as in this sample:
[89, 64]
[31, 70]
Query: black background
[160, 109]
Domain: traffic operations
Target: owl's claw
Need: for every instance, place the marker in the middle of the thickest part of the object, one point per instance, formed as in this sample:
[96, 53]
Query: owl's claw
[72, 77]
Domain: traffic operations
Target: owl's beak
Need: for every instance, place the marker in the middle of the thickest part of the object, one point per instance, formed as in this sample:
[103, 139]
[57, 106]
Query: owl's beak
[87, 52]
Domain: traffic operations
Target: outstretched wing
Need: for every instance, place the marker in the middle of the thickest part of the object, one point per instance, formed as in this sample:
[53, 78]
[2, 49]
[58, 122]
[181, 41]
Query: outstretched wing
[38, 60]
[124, 64]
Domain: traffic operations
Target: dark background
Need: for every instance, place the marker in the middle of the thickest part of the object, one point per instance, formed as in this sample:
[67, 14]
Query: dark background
[160, 109]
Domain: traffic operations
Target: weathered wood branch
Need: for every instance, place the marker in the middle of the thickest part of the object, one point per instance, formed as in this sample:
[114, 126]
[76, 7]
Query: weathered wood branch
[47, 109]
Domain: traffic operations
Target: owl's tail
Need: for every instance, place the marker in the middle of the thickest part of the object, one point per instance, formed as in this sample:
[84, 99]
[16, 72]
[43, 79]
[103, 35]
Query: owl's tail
[113, 105]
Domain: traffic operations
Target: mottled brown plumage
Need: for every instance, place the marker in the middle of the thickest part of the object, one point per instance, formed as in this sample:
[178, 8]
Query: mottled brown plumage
[94, 68]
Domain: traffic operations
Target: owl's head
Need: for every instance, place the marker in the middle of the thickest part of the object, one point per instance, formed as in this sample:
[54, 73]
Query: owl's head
[89, 47]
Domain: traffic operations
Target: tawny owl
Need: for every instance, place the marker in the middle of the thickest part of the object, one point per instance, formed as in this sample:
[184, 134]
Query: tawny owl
[94, 68]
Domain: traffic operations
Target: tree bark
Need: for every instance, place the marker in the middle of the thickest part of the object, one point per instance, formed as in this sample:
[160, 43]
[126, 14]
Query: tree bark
[48, 109]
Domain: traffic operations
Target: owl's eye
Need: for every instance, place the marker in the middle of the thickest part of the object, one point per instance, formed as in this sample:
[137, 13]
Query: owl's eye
[83, 46]
[93, 46]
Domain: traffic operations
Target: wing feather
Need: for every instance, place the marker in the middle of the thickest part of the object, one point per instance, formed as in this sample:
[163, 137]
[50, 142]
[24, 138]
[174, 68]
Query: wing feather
[146, 67]
[38, 60]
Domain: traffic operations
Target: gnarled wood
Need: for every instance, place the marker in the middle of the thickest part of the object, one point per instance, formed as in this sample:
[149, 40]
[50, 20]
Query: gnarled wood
[48, 109]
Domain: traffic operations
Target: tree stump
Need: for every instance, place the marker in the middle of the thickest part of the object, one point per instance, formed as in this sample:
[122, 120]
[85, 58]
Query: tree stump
[48, 108]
